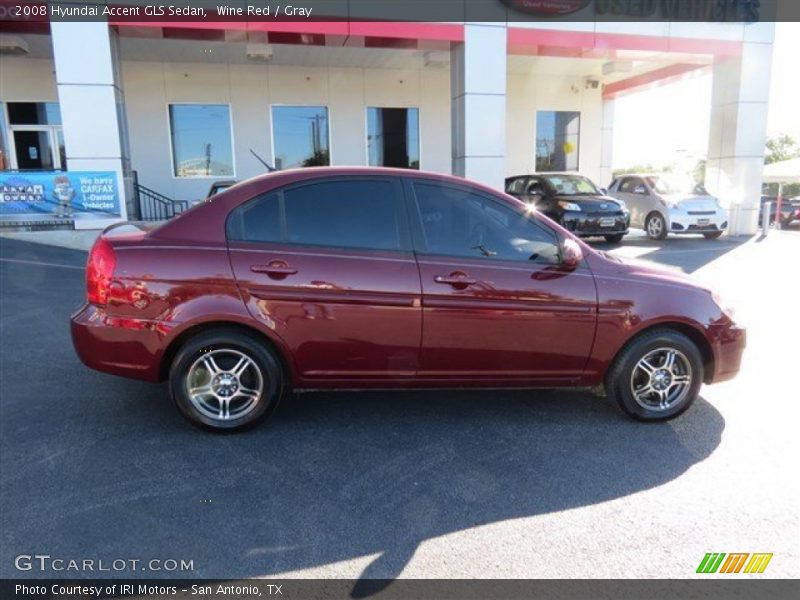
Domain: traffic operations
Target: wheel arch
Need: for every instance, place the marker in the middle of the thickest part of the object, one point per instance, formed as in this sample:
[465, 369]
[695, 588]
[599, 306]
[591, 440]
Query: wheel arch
[181, 338]
[693, 333]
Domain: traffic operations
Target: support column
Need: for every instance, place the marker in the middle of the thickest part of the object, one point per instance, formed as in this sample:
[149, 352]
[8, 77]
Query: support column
[92, 106]
[738, 132]
[478, 90]
[607, 141]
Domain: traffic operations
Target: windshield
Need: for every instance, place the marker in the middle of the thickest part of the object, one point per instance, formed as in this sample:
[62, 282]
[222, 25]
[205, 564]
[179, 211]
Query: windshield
[664, 185]
[571, 185]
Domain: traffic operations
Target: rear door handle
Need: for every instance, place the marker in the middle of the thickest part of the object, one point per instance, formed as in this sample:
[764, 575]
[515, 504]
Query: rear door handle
[276, 268]
[457, 279]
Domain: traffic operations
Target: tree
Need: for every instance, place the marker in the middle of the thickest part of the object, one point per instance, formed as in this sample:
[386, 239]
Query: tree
[780, 148]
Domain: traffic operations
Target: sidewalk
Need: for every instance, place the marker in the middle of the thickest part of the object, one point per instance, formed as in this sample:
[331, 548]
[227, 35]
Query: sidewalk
[75, 240]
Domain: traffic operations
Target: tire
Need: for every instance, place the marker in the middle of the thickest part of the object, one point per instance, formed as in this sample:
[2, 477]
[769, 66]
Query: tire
[656, 226]
[626, 376]
[210, 361]
[614, 239]
[715, 235]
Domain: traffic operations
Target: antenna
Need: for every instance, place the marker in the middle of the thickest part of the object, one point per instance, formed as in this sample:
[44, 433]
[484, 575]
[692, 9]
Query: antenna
[269, 167]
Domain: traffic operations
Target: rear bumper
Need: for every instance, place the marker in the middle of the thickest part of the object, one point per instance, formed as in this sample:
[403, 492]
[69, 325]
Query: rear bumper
[585, 225]
[125, 347]
[728, 350]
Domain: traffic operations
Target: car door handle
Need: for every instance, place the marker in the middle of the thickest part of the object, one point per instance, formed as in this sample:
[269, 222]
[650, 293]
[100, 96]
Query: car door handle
[457, 279]
[277, 268]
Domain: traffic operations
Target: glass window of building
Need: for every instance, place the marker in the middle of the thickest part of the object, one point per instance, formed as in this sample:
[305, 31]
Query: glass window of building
[300, 136]
[201, 140]
[558, 136]
[393, 137]
[32, 140]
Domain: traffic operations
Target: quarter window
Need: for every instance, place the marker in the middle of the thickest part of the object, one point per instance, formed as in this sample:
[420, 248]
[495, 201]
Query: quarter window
[393, 137]
[558, 137]
[201, 140]
[633, 185]
[300, 136]
[458, 222]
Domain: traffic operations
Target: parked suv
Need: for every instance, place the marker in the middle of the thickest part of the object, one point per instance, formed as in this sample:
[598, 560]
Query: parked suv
[383, 278]
[574, 202]
[661, 206]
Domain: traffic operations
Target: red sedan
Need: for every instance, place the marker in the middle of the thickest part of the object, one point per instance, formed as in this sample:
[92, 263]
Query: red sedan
[381, 278]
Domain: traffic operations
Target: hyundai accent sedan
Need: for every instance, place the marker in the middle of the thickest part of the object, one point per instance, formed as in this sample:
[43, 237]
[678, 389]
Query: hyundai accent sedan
[378, 278]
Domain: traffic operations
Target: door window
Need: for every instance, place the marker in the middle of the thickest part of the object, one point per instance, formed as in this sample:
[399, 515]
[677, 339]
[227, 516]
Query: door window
[37, 140]
[458, 222]
[335, 213]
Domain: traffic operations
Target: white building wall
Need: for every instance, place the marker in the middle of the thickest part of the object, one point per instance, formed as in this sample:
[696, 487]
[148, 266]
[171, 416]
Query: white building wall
[250, 90]
[539, 90]
[27, 79]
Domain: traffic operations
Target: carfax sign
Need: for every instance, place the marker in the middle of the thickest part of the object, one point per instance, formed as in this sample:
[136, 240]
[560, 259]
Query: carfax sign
[59, 193]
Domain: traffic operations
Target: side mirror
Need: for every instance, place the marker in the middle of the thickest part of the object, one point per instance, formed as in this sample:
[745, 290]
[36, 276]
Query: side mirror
[571, 253]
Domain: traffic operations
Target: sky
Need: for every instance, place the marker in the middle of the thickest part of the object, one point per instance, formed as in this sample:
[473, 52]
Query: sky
[677, 115]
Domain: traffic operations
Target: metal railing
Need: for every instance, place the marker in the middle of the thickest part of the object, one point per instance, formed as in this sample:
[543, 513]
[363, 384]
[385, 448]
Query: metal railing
[154, 206]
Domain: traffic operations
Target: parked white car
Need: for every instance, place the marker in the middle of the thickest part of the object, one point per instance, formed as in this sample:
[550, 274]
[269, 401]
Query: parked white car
[661, 206]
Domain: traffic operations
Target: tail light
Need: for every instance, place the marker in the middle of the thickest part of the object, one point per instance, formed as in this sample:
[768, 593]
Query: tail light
[99, 270]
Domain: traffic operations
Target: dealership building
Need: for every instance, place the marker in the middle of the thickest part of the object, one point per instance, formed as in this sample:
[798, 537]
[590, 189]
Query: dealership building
[97, 117]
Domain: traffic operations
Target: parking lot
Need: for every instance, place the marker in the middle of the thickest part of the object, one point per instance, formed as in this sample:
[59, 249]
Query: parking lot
[457, 484]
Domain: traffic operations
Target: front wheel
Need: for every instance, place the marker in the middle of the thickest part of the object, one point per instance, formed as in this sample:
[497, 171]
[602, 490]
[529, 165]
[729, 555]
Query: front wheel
[614, 239]
[225, 380]
[657, 376]
[656, 226]
[714, 235]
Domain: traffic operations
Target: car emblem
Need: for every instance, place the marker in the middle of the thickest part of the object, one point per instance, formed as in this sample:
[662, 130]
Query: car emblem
[604, 205]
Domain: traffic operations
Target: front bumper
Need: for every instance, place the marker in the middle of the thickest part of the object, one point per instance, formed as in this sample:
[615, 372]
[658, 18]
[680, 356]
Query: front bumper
[596, 224]
[683, 221]
[729, 344]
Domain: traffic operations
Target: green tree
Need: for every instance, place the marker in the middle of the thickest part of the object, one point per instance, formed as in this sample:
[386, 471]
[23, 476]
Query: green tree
[780, 148]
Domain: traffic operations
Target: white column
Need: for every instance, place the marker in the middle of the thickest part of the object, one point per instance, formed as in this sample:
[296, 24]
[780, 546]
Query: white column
[737, 137]
[607, 141]
[92, 104]
[478, 90]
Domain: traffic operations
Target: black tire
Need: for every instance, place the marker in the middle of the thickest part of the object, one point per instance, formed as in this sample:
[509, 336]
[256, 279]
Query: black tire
[714, 235]
[655, 232]
[226, 347]
[614, 239]
[621, 377]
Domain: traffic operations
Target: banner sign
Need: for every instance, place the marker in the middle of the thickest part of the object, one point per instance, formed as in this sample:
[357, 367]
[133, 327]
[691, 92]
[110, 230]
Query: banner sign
[64, 194]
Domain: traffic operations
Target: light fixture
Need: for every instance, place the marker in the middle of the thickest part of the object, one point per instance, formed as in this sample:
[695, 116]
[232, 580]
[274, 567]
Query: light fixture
[259, 52]
[13, 45]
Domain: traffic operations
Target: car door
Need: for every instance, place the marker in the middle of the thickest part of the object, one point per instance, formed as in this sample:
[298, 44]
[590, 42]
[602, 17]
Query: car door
[498, 307]
[327, 265]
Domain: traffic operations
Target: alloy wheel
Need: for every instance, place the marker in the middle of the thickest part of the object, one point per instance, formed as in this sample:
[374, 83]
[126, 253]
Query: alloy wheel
[224, 384]
[661, 379]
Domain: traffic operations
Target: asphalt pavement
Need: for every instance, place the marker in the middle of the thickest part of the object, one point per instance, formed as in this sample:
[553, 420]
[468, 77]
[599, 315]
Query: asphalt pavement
[424, 484]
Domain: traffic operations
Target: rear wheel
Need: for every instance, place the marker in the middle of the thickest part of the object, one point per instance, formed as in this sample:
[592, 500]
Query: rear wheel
[225, 380]
[614, 239]
[657, 376]
[714, 235]
[656, 226]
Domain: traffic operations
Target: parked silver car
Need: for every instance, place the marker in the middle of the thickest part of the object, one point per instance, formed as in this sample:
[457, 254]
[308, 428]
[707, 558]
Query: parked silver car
[661, 206]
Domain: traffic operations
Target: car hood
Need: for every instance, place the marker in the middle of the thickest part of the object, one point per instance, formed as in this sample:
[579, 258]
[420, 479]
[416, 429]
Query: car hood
[593, 203]
[645, 270]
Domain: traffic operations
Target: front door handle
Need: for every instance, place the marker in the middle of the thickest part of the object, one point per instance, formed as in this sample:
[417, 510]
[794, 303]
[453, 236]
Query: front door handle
[277, 269]
[457, 279]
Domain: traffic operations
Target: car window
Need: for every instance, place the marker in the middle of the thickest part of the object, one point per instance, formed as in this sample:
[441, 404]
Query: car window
[337, 213]
[632, 185]
[457, 222]
[535, 186]
[256, 221]
[352, 214]
[516, 185]
[571, 185]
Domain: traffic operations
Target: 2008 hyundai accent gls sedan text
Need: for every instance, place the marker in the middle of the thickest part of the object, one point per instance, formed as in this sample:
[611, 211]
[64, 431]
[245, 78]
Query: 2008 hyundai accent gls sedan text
[380, 278]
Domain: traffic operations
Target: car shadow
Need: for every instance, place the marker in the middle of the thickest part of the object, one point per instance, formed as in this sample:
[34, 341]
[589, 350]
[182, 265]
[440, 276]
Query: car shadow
[687, 253]
[341, 476]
